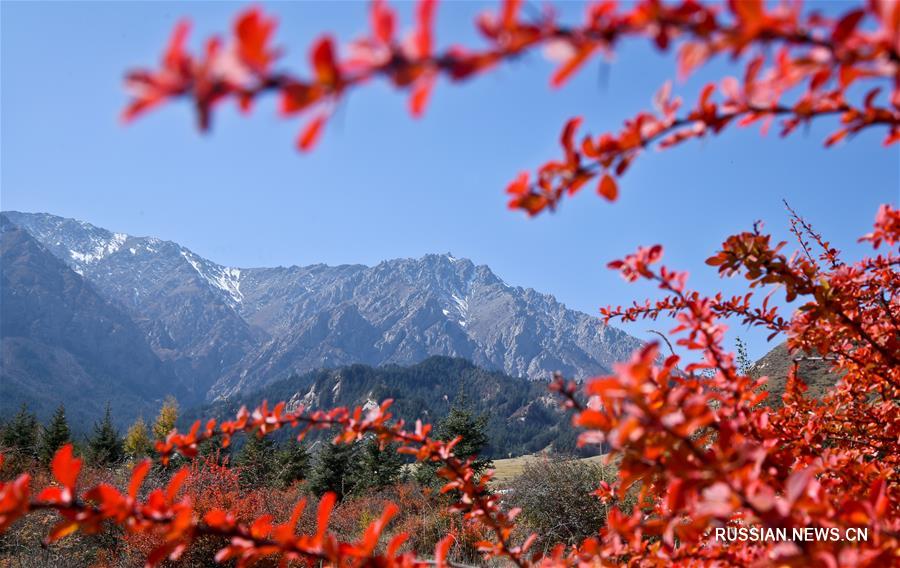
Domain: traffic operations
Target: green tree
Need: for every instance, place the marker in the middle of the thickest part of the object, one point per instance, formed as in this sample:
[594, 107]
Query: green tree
[21, 434]
[293, 463]
[105, 446]
[744, 364]
[257, 461]
[165, 421]
[460, 422]
[137, 440]
[54, 436]
[377, 468]
[334, 469]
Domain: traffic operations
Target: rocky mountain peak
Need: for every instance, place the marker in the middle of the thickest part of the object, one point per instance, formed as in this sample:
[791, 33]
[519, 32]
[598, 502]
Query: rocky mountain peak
[225, 329]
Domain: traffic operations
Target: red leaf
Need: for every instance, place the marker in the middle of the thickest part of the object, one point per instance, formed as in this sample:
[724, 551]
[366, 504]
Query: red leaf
[297, 96]
[253, 32]
[310, 135]
[510, 13]
[567, 138]
[326, 505]
[323, 61]
[608, 188]
[174, 55]
[61, 530]
[567, 69]
[261, 527]
[419, 97]
[66, 467]
[394, 546]
[382, 21]
[690, 56]
[175, 484]
[442, 550]
[749, 12]
[846, 26]
[424, 25]
[137, 478]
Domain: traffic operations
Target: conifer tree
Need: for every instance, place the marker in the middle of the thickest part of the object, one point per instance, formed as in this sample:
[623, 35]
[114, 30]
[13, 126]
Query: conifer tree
[460, 422]
[165, 421]
[105, 446]
[137, 440]
[54, 436]
[257, 461]
[334, 469]
[293, 463]
[378, 468]
[21, 433]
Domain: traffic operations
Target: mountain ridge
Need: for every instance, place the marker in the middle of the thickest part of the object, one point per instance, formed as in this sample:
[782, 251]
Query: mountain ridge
[521, 416]
[63, 342]
[226, 329]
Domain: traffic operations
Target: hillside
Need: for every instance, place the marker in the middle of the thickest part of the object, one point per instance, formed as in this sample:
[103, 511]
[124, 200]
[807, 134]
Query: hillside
[776, 365]
[522, 416]
[62, 342]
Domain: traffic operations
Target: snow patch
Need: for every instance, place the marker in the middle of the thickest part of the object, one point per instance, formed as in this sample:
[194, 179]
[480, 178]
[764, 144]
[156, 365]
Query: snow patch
[100, 248]
[224, 278]
[462, 309]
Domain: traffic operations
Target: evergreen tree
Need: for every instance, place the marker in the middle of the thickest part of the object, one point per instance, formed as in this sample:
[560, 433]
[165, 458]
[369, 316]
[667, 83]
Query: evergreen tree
[166, 419]
[334, 470]
[378, 468]
[293, 463]
[472, 430]
[257, 461]
[105, 446]
[21, 433]
[137, 440]
[55, 435]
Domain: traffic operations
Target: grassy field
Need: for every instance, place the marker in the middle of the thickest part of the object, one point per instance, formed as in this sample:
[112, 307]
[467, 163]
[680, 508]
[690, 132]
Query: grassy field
[507, 469]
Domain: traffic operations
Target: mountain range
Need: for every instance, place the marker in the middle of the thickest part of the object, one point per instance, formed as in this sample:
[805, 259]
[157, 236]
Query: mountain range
[143, 317]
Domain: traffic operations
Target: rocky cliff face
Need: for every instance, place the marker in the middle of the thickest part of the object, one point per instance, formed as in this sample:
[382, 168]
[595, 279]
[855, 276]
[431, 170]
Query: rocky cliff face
[225, 329]
[63, 342]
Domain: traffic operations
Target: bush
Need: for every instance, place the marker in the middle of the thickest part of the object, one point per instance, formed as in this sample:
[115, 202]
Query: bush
[557, 501]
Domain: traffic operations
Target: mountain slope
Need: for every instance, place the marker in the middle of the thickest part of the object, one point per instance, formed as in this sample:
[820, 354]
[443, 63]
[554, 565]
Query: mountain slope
[777, 363]
[226, 329]
[182, 302]
[402, 311]
[62, 342]
[522, 416]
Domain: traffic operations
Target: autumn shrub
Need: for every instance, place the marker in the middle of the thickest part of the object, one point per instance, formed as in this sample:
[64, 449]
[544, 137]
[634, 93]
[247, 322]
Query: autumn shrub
[214, 485]
[556, 496]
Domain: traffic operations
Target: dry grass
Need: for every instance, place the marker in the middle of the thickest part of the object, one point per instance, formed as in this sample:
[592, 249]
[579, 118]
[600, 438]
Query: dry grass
[506, 470]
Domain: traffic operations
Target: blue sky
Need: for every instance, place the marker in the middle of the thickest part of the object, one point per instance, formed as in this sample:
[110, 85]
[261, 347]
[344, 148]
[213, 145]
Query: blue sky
[383, 185]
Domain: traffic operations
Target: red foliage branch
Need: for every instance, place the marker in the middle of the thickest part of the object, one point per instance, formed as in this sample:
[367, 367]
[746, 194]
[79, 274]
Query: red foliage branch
[826, 56]
[179, 525]
[706, 454]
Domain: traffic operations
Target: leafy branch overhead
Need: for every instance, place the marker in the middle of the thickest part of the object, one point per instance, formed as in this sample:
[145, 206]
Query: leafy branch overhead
[798, 66]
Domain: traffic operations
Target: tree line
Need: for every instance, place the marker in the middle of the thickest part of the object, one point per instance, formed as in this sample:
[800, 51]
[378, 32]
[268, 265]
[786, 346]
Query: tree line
[260, 461]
